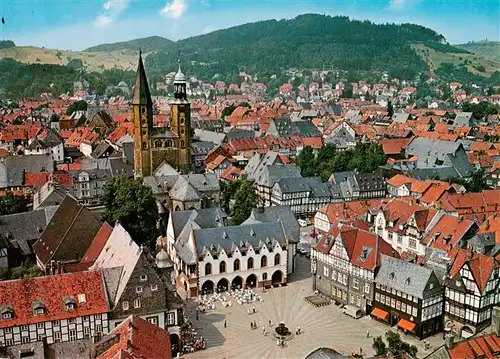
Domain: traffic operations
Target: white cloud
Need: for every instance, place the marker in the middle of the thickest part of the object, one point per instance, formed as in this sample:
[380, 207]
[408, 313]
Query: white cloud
[402, 4]
[174, 9]
[110, 11]
[207, 29]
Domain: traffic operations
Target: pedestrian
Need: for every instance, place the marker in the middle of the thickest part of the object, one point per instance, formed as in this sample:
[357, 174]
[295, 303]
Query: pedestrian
[251, 325]
[253, 310]
[361, 351]
[269, 323]
[248, 311]
[264, 330]
[225, 323]
[367, 333]
[255, 324]
[277, 342]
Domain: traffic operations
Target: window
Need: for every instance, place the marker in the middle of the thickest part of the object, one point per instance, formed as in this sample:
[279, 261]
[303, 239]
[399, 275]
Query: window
[98, 329]
[144, 278]
[325, 271]
[138, 289]
[125, 305]
[169, 143]
[277, 259]
[56, 323]
[157, 143]
[9, 342]
[152, 320]
[86, 332]
[7, 315]
[81, 298]
[154, 287]
[8, 330]
[222, 267]
[400, 238]
[170, 318]
[250, 263]
[236, 265]
[355, 283]
[39, 311]
[208, 269]
[263, 261]
[25, 340]
[182, 144]
[25, 327]
[412, 243]
[137, 303]
[57, 337]
[144, 145]
[264, 276]
[367, 288]
[72, 335]
[40, 325]
[40, 337]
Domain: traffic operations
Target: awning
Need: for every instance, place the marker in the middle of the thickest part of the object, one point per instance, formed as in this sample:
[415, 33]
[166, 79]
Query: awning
[379, 313]
[406, 324]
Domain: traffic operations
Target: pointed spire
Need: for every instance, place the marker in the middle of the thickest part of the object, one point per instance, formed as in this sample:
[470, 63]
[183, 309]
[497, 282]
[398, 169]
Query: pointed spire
[179, 77]
[141, 95]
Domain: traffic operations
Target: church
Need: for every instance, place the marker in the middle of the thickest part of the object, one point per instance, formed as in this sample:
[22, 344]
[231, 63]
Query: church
[155, 145]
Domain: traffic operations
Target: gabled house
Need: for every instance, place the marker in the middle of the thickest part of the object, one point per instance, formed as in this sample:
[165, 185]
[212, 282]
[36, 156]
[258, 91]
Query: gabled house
[472, 290]
[344, 264]
[408, 296]
[67, 236]
[137, 284]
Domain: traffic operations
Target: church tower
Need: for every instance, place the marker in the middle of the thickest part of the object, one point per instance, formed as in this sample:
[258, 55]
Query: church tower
[180, 121]
[142, 109]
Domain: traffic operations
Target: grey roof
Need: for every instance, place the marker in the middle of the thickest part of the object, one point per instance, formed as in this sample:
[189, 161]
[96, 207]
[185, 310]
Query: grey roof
[400, 117]
[273, 173]
[235, 133]
[258, 163]
[209, 136]
[13, 168]
[439, 353]
[227, 238]
[141, 93]
[114, 165]
[463, 119]
[52, 138]
[101, 149]
[204, 181]
[201, 147]
[35, 144]
[128, 151]
[325, 353]
[184, 191]
[406, 277]
[273, 214]
[23, 227]
[436, 154]
[112, 277]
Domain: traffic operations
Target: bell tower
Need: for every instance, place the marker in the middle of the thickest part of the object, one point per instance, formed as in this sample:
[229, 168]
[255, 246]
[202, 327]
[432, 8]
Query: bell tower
[142, 109]
[181, 121]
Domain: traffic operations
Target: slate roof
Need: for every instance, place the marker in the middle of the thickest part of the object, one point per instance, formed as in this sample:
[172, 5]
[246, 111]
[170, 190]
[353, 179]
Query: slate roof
[273, 173]
[403, 276]
[101, 149]
[259, 162]
[13, 168]
[51, 291]
[274, 214]
[23, 227]
[241, 236]
[141, 94]
[69, 233]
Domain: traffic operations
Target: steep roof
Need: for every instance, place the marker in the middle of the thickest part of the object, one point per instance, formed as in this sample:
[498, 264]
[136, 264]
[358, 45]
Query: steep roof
[51, 291]
[138, 339]
[69, 233]
[407, 277]
[141, 95]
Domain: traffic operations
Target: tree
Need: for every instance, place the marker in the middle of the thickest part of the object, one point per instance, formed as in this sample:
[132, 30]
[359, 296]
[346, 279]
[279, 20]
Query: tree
[227, 111]
[134, 206]
[28, 269]
[396, 346]
[390, 109]
[306, 161]
[379, 346]
[245, 200]
[54, 118]
[348, 89]
[228, 191]
[11, 204]
[80, 105]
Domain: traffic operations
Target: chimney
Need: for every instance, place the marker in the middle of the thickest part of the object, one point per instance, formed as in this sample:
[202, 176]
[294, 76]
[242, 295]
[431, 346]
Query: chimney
[449, 341]
[58, 271]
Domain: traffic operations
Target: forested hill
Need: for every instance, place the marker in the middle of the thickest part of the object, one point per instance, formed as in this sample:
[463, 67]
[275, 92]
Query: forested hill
[146, 44]
[308, 41]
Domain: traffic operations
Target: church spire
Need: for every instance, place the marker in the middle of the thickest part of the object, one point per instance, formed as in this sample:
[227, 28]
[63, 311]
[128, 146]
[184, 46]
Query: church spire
[141, 95]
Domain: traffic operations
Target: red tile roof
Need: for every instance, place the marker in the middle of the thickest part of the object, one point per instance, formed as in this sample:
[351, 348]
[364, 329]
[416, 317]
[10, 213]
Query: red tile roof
[52, 290]
[4, 153]
[32, 179]
[480, 265]
[492, 224]
[472, 205]
[487, 347]
[139, 339]
[349, 210]
[446, 233]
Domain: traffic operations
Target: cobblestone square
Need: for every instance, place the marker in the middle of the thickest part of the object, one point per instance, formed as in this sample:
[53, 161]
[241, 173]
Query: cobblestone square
[323, 326]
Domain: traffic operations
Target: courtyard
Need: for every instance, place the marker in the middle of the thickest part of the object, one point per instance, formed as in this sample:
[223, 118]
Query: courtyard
[324, 326]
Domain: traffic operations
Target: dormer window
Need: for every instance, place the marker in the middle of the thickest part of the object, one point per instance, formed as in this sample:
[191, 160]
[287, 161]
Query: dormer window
[38, 307]
[69, 303]
[7, 312]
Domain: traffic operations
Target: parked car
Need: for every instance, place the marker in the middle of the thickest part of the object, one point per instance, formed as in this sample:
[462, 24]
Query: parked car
[302, 222]
[301, 251]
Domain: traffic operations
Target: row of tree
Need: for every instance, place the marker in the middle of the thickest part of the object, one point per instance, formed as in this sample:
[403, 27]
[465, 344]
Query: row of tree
[364, 157]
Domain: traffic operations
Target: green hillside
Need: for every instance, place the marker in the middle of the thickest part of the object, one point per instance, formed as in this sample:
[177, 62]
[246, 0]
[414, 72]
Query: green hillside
[489, 49]
[147, 44]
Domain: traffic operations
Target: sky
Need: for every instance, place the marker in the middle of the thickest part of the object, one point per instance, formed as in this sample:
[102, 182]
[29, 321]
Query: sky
[78, 24]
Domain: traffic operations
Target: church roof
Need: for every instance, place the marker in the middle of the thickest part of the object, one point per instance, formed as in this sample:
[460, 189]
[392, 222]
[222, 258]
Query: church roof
[141, 95]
